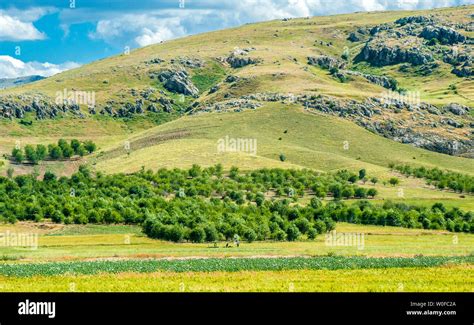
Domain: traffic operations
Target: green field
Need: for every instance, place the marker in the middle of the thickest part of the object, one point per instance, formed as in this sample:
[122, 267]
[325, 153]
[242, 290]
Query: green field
[119, 258]
[75, 243]
[439, 279]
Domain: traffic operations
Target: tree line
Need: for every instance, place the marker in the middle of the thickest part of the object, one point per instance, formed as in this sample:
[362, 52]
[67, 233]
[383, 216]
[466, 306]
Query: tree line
[62, 150]
[457, 182]
[207, 204]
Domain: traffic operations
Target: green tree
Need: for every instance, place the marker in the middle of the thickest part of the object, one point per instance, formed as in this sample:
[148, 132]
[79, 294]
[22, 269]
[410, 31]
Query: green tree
[62, 143]
[352, 178]
[372, 192]
[312, 233]
[250, 235]
[55, 152]
[41, 152]
[81, 151]
[195, 171]
[30, 154]
[348, 192]
[394, 181]
[49, 176]
[292, 233]
[211, 233]
[18, 155]
[68, 152]
[90, 146]
[75, 144]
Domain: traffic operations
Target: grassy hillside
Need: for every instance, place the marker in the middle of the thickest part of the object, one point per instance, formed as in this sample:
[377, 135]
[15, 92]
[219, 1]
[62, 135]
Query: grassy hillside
[282, 45]
[306, 140]
[283, 48]
[311, 140]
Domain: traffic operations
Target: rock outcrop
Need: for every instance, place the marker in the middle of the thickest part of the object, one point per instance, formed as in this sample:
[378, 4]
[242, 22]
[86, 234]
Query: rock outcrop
[416, 41]
[425, 140]
[192, 63]
[166, 103]
[443, 34]
[338, 71]
[379, 54]
[327, 62]
[383, 81]
[353, 37]
[177, 81]
[43, 107]
[457, 109]
[234, 105]
[239, 58]
[240, 61]
[414, 20]
[463, 71]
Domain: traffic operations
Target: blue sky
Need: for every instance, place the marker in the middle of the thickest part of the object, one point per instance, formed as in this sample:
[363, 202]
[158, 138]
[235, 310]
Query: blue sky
[45, 36]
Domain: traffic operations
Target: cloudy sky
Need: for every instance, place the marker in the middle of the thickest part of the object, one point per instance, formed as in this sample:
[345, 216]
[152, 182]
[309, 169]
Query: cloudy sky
[48, 36]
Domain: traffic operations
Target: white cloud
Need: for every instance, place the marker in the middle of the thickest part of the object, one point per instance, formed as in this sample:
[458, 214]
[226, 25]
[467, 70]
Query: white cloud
[17, 25]
[13, 29]
[13, 68]
[259, 10]
[144, 29]
[29, 14]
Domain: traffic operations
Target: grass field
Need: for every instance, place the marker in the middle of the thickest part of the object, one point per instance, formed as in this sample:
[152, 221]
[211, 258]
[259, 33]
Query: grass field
[93, 242]
[391, 259]
[457, 278]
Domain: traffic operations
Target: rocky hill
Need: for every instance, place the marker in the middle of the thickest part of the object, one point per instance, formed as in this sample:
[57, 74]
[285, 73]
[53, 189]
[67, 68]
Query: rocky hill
[406, 76]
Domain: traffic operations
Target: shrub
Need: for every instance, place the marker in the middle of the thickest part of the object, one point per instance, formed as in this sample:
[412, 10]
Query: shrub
[372, 192]
[197, 235]
[68, 152]
[360, 192]
[55, 152]
[41, 152]
[75, 145]
[320, 226]
[394, 181]
[292, 233]
[49, 176]
[10, 172]
[17, 155]
[90, 146]
[312, 233]
[174, 233]
[211, 233]
[279, 235]
[250, 235]
[303, 225]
